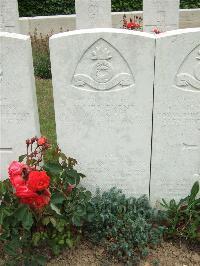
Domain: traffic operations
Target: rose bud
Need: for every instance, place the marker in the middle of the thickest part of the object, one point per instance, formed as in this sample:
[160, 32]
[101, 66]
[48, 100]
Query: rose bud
[41, 141]
[70, 188]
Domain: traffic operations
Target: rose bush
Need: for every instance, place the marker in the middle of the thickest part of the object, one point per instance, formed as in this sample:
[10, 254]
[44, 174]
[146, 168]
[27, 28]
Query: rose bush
[41, 204]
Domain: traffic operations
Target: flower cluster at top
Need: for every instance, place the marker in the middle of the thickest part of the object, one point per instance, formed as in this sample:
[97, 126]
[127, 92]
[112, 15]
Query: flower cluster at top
[31, 185]
[156, 31]
[133, 24]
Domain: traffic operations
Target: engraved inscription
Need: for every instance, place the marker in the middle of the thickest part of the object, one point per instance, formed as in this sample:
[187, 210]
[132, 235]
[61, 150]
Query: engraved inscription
[10, 114]
[92, 8]
[102, 68]
[188, 78]
[8, 15]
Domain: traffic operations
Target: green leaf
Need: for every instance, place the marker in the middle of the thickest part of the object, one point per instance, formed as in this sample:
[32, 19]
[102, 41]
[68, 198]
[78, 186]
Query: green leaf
[36, 238]
[69, 243]
[194, 191]
[28, 220]
[53, 221]
[54, 208]
[46, 220]
[24, 215]
[22, 157]
[70, 175]
[76, 220]
[57, 198]
[12, 248]
[3, 189]
[4, 212]
[53, 168]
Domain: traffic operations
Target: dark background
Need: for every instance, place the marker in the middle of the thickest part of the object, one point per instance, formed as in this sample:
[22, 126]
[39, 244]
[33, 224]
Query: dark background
[30, 8]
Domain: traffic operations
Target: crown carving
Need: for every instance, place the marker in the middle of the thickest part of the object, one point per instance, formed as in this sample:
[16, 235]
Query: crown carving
[101, 53]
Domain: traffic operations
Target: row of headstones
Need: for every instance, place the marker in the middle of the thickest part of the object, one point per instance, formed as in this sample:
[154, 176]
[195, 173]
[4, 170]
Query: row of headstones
[163, 14]
[104, 96]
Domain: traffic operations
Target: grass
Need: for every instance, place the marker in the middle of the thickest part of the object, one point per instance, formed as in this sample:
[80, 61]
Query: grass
[46, 109]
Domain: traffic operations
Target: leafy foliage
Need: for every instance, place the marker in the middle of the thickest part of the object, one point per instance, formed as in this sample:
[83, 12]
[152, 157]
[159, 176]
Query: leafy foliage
[41, 56]
[184, 217]
[25, 230]
[57, 7]
[126, 226]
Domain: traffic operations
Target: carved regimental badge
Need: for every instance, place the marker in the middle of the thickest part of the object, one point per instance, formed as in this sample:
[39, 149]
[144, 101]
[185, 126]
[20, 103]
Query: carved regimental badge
[102, 68]
[188, 77]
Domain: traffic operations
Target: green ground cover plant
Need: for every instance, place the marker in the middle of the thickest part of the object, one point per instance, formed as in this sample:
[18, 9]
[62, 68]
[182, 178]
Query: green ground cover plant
[30, 8]
[183, 217]
[127, 227]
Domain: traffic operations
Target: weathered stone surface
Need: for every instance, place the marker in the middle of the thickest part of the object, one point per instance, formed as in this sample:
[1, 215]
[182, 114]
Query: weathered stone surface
[103, 96]
[18, 107]
[93, 14]
[176, 129]
[9, 16]
[162, 14]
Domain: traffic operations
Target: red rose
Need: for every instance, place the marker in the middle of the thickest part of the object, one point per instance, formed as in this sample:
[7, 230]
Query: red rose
[17, 180]
[33, 199]
[38, 181]
[42, 200]
[41, 141]
[16, 168]
[130, 25]
[24, 192]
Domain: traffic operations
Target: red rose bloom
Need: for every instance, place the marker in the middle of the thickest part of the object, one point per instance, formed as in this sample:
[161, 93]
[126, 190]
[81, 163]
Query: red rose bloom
[41, 141]
[16, 168]
[41, 200]
[17, 180]
[33, 199]
[130, 25]
[38, 181]
[24, 192]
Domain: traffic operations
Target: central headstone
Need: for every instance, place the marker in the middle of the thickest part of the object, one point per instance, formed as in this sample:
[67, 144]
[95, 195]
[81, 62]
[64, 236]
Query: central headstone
[9, 16]
[93, 14]
[18, 105]
[103, 104]
[160, 14]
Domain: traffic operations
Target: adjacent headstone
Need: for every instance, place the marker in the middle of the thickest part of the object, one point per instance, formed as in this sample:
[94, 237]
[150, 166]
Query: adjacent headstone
[176, 129]
[18, 105]
[9, 16]
[103, 101]
[93, 14]
[160, 14]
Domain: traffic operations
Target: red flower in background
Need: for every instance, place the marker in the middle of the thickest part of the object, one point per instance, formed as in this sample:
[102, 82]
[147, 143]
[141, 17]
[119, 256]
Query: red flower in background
[38, 180]
[156, 31]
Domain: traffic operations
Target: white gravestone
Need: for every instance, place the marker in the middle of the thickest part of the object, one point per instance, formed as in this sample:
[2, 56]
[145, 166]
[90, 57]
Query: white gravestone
[176, 129]
[103, 105]
[9, 16]
[161, 14]
[93, 14]
[18, 105]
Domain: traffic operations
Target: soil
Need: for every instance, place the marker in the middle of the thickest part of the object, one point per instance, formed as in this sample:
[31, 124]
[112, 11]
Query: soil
[168, 254]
